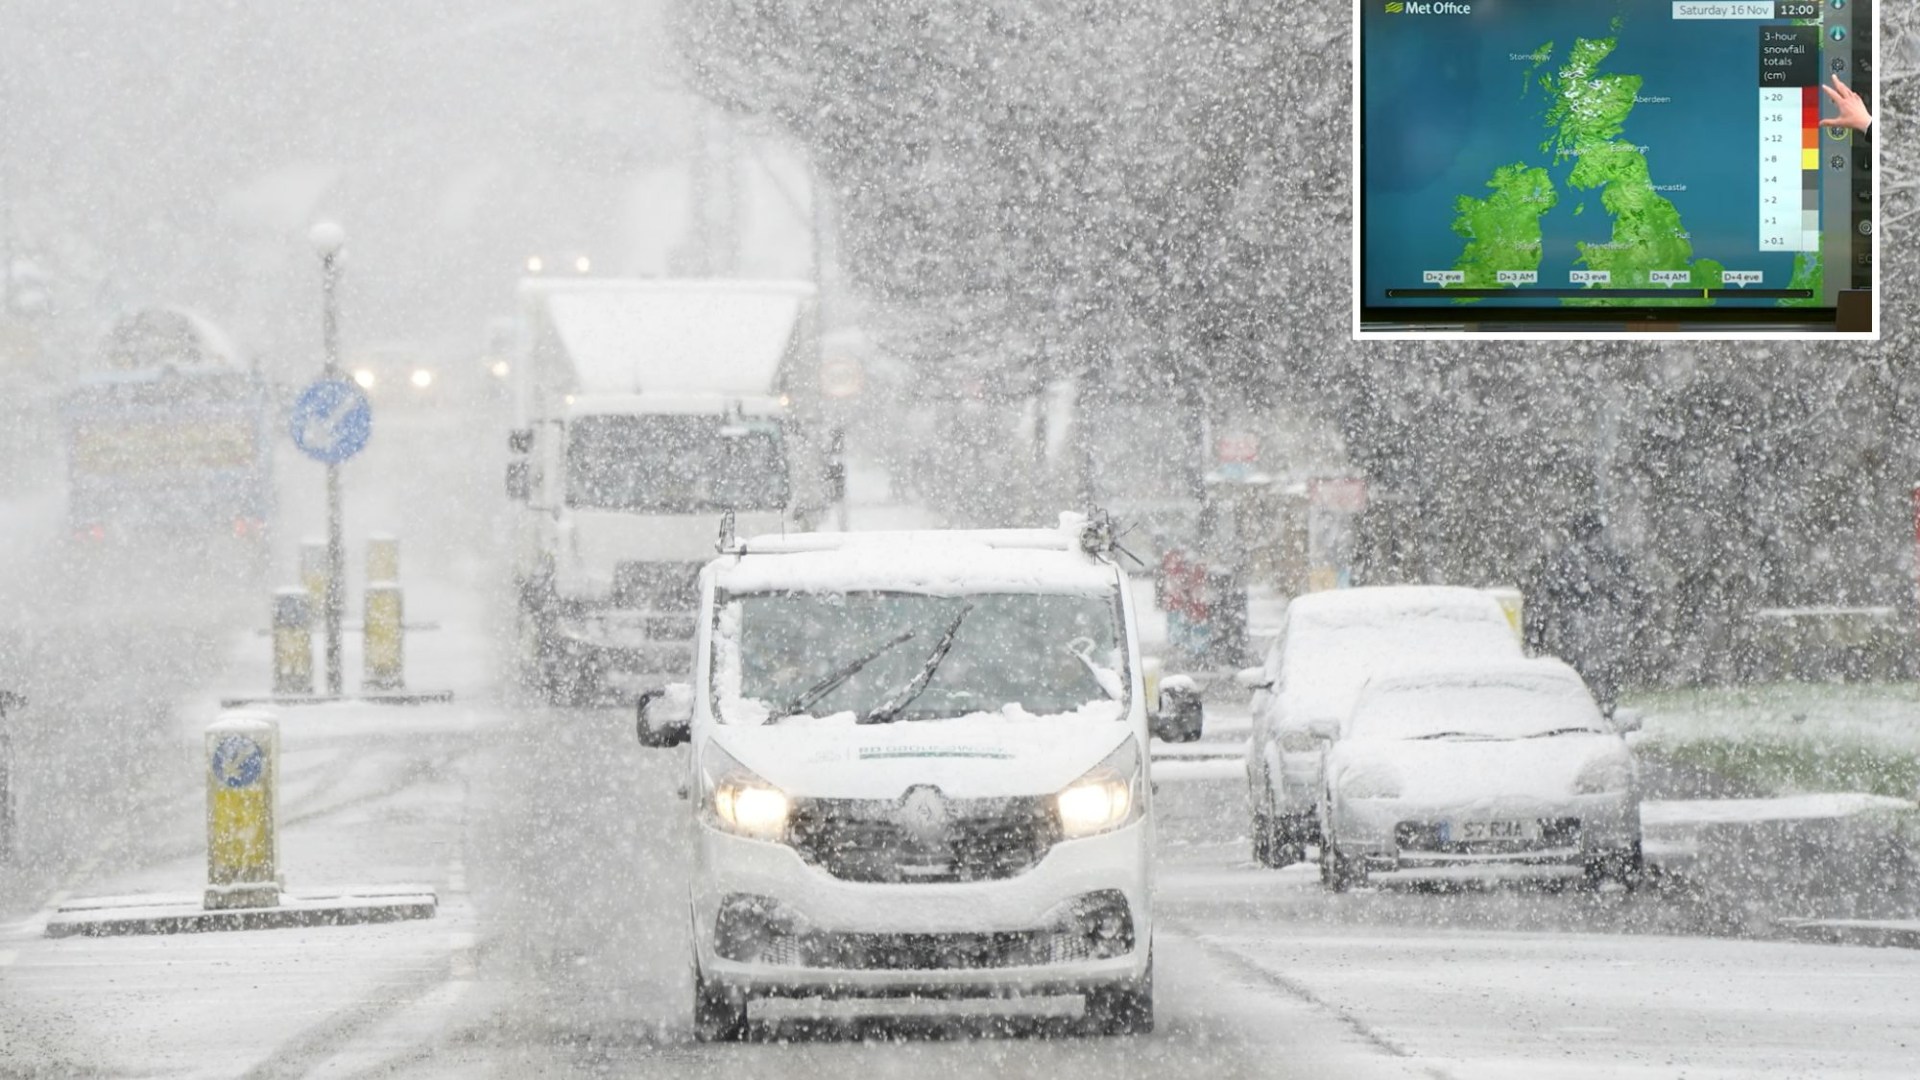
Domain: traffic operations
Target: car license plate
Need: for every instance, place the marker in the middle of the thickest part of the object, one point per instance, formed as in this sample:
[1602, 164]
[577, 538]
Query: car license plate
[1470, 832]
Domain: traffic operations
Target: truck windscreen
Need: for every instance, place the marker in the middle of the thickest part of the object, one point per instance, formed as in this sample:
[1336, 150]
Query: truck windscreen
[675, 464]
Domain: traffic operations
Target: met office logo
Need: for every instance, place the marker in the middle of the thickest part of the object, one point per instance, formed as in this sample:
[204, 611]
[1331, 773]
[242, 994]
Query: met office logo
[1428, 7]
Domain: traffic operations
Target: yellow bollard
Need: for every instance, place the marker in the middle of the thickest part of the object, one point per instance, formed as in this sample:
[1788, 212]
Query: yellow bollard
[384, 637]
[1150, 677]
[292, 641]
[243, 847]
[383, 557]
[313, 573]
[1513, 603]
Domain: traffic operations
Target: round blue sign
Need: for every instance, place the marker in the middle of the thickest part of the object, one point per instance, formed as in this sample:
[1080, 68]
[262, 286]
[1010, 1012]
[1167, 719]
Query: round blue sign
[238, 761]
[331, 421]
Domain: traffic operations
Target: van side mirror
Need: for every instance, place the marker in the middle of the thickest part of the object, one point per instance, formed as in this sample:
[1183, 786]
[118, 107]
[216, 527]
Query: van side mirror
[520, 440]
[519, 482]
[1626, 720]
[1181, 716]
[1324, 728]
[663, 716]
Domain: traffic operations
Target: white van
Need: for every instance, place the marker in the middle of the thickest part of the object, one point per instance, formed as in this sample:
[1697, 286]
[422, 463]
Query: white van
[919, 767]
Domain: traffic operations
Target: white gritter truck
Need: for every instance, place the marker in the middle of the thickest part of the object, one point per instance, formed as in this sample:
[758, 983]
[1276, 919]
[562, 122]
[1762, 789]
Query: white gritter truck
[645, 412]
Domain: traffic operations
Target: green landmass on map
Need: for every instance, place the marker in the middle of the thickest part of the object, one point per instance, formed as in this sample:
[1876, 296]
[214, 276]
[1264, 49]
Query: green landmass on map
[1503, 230]
[1541, 55]
[1586, 117]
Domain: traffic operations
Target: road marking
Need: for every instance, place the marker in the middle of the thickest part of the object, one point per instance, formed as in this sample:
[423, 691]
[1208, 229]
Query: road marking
[1226, 957]
[7, 958]
[456, 876]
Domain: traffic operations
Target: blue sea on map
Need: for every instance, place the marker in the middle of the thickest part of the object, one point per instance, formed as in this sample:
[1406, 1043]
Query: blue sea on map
[1446, 104]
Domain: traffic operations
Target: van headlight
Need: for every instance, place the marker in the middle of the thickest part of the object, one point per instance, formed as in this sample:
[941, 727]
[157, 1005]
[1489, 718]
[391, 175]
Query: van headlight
[735, 799]
[1107, 797]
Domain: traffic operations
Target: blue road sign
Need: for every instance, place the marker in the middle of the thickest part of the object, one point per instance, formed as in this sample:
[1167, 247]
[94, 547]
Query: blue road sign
[238, 761]
[331, 421]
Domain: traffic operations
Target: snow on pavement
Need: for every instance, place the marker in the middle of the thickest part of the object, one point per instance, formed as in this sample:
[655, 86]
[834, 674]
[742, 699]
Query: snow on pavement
[370, 795]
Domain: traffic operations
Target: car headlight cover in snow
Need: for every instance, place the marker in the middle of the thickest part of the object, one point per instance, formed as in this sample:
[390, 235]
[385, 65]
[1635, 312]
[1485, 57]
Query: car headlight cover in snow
[1107, 797]
[738, 800]
[1604, 775]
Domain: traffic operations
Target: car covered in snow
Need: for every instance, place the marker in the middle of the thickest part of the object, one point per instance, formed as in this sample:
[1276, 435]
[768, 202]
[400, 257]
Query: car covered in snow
[1495, 763]
[1330, 643]
[919, 768]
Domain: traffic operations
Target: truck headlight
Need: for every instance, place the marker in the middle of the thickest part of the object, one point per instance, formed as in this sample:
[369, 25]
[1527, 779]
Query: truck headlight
[738, 801]
[1604, 776]
[1106, 798]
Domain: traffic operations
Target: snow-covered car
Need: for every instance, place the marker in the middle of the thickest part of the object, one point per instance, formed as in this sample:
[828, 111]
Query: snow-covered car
[1496, 763]
[919, 767]
[1329, 644]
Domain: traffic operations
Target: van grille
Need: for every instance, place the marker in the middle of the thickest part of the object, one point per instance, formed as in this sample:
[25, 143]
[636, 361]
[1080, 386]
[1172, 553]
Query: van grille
[873, 840]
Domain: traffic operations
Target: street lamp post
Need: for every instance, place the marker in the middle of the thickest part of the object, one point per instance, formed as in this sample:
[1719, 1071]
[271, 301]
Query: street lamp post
[327, 239]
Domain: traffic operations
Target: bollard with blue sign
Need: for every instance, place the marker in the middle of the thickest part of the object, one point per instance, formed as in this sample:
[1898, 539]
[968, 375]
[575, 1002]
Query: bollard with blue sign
[243, 845]
[292, 641]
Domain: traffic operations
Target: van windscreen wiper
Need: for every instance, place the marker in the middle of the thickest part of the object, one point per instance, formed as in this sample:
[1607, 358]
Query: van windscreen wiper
[837, 678]
[890, 710]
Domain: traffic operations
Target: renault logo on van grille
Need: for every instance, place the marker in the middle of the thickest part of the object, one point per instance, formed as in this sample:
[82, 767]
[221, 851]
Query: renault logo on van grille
[925, 815]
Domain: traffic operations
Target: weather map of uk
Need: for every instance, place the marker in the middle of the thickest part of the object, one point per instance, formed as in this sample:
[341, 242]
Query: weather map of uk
[1596, 153]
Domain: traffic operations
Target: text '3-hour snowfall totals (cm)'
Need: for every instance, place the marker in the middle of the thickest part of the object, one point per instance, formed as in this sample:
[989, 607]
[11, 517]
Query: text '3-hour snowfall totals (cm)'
[1598, 159]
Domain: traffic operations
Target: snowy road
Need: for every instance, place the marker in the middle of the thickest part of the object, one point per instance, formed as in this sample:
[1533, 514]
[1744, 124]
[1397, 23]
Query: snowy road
[557, 846]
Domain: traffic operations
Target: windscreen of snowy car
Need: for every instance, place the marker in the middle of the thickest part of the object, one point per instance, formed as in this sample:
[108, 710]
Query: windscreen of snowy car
[1489, 710]
[675, 464]
[878, 657]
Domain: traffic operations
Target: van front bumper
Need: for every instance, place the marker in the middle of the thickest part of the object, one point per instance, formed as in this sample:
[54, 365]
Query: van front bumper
[771, 924]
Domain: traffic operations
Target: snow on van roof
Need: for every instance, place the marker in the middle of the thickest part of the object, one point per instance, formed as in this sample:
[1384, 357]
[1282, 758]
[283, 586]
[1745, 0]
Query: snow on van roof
[1029, 539]
[946, 563]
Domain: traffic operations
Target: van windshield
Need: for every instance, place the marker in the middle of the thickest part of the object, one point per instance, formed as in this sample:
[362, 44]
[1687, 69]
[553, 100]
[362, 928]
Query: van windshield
[881, 657]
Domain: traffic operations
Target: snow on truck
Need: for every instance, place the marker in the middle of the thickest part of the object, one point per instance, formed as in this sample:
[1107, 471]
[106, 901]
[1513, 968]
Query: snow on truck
[643, 411]
[169, 436]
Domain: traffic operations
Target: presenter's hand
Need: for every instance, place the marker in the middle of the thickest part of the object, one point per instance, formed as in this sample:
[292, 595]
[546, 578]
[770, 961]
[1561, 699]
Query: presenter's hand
[1853, 111]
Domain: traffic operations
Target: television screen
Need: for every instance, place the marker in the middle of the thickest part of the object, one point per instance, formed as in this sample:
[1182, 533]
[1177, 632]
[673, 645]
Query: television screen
[1611, 160]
